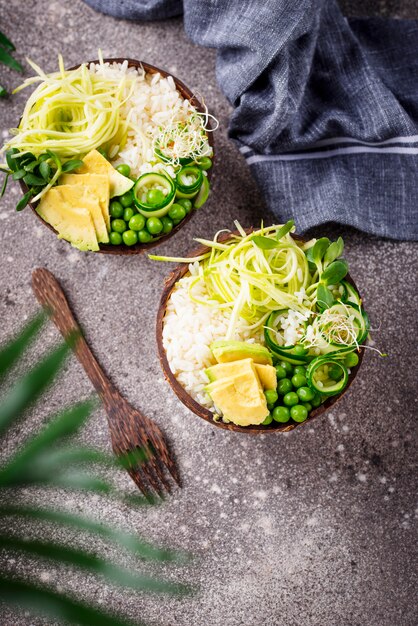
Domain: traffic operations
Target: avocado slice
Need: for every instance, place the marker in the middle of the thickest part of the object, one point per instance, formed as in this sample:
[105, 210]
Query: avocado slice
[225, 351]
[240, 398]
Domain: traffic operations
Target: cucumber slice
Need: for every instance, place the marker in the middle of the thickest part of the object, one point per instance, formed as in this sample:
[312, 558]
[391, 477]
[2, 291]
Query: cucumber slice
[296, 354]
[203, 194]
[151, 181]
[317, 376]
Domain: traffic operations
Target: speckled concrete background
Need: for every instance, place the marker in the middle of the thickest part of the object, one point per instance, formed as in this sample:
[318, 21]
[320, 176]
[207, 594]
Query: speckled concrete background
[313, 528]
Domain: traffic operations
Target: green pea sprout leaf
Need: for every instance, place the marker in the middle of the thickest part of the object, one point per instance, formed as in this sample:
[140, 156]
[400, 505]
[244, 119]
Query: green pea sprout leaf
[334, 251]
[319, 250]
[324, 297]
[265, 243]
[286, 228]
[334, 272]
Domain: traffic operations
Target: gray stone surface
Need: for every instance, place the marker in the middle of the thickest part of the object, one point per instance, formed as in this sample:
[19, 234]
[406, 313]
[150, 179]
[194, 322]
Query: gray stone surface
[313, 528]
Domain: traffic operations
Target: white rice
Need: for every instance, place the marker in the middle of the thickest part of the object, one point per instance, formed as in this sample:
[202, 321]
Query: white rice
[189, 329]
[154, 103]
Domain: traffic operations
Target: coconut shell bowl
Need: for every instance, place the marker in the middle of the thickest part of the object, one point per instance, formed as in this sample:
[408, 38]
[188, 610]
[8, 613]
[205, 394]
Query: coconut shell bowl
[187, 94]
[205, 413]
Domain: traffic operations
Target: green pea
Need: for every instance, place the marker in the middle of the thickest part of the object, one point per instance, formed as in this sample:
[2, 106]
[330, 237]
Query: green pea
[205, 163]
[116, 209]
[185, 203]
[287, 366]
[155, 197]
[102, 152]
[280, 372]
[308, 406]
[299, 369]
[144, 236]
[316, 400]
[300, 350]
[305, 394]
[154, 225]
[351, 360]
[115, 238]
[177, 213]
[124, 169]
[137, 222]
[127, 199]
[268, 420]
[290, 398]
[281, 414]
[128, 213]
[298, 380]
[298, 413]
[167, 225]
[118, 226]
[130, 238]
[284, 386]
[271, 396]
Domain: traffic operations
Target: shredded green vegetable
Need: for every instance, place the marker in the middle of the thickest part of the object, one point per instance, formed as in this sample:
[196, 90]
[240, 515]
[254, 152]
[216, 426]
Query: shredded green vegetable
[251, 281]
[71, 112]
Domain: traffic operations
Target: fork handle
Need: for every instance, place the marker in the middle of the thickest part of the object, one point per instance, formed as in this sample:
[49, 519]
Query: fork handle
[50, 295]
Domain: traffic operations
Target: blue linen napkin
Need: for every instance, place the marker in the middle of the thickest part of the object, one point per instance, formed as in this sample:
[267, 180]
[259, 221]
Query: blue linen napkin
[326, 109]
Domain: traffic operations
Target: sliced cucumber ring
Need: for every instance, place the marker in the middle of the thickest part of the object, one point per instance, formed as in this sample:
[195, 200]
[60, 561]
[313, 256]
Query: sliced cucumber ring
[189, 180]
[327, 376]
[145, 183]
[297, 354]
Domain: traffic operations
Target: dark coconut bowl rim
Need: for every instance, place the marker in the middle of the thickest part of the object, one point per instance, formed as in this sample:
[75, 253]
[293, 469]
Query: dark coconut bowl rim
[193, 405]
[187, 94]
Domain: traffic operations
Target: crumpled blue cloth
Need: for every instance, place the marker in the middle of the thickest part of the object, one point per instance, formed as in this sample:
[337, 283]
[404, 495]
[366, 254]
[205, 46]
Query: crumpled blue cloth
[326, 109]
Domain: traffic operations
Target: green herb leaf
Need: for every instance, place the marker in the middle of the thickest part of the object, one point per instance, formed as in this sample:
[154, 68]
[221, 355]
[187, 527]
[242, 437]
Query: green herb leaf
[324, 297]
[19, 174]
[30, 166]
[6, 43]
[45, 170]
[3, 92]
[12, 162]
[286, 228]
[319, 249]
[334, 251]
[4, 186]
[334, 272]
[265, 243]
[72, 165]
[24, 201]
[8, 60]
[33, 181]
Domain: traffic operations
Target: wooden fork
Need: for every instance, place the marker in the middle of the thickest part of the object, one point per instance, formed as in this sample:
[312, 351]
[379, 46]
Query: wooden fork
[130, 430]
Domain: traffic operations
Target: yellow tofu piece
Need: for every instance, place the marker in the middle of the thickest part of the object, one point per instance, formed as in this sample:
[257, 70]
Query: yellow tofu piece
[74, 224]
[94, 187]
[95, 163]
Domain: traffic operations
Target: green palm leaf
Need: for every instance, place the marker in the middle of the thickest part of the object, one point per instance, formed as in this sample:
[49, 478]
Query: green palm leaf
[14, 350]
[29, 388]
[55, 605]
[125, 540]
[49, 460]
